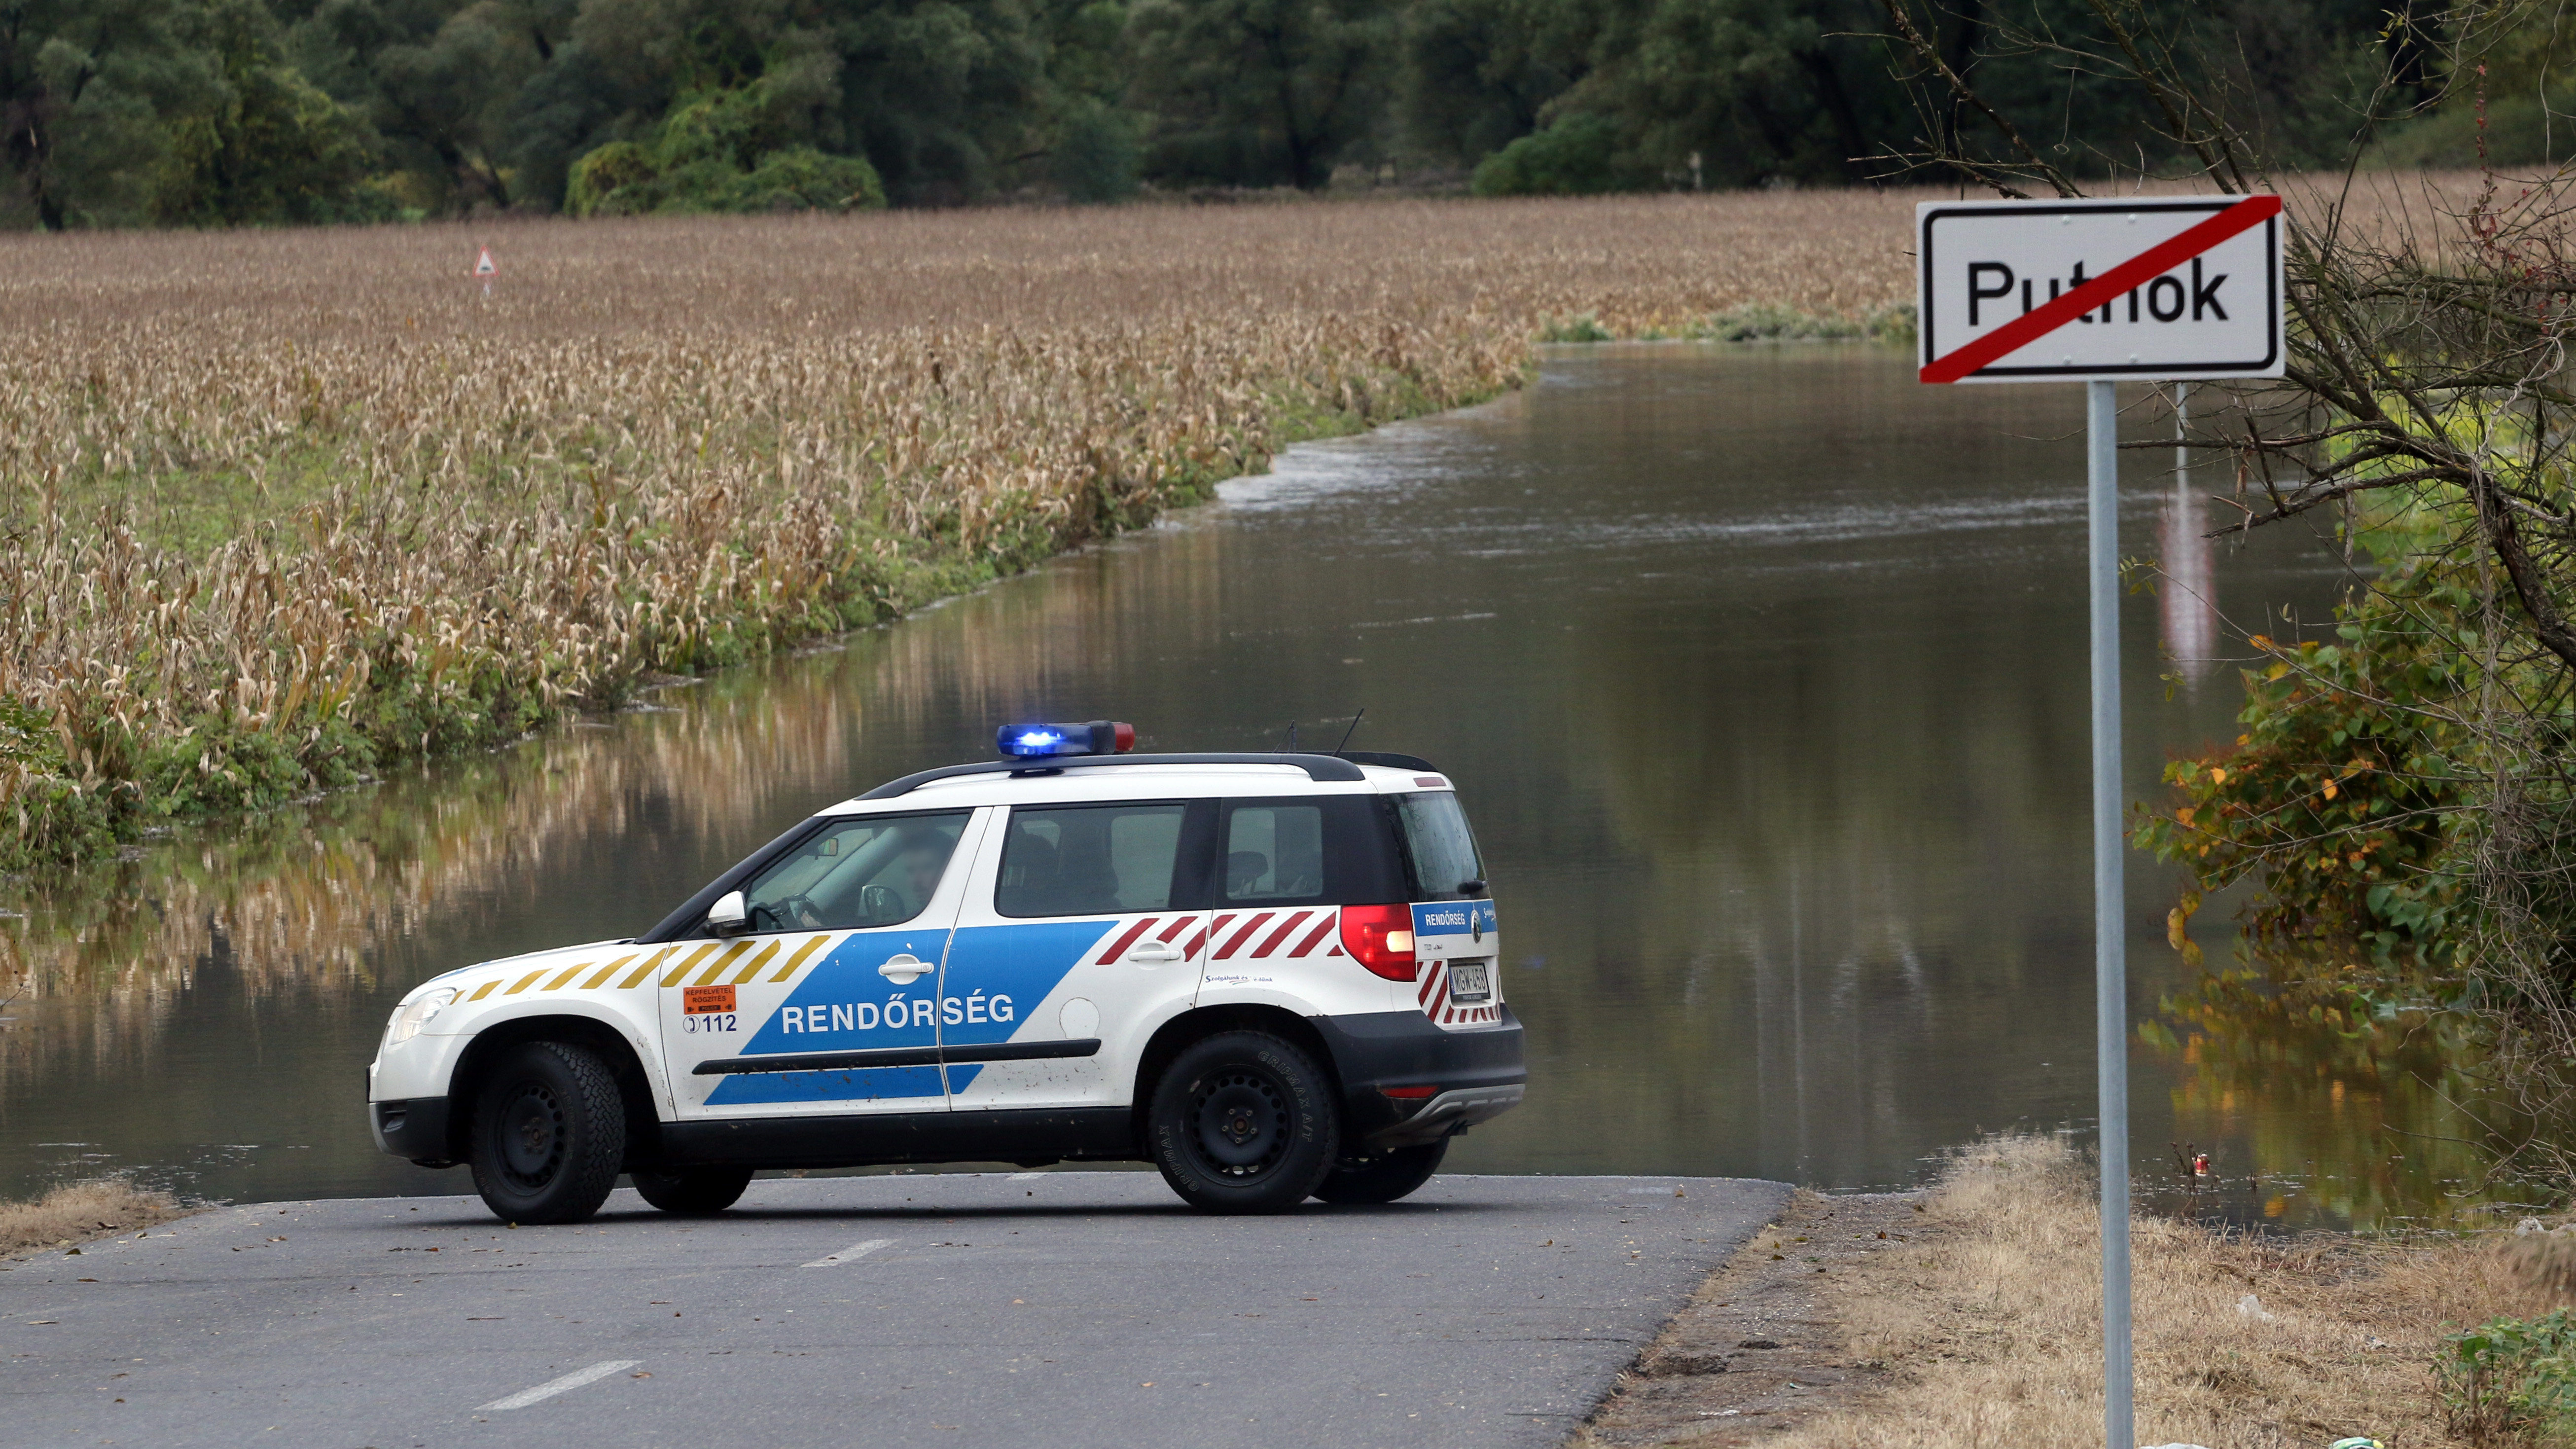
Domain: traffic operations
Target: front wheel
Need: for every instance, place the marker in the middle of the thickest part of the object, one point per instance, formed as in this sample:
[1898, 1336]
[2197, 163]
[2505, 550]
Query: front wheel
[1384, 1177]
[693, 1191]
[1243, 1122]
[549, 1131]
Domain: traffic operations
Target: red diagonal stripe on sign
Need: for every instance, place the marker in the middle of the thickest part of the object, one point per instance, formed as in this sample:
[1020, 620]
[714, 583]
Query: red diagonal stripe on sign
[1124, 941]
[2137, 271]
[1192, 949]
[1173, 931]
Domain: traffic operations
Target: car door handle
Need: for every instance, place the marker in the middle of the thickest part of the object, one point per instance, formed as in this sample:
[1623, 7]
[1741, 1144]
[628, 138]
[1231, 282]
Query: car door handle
[1148, 953]
[904, 968]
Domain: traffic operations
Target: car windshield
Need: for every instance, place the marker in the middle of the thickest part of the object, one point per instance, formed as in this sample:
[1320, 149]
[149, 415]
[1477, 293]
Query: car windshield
[1438, 847]
[855, 874]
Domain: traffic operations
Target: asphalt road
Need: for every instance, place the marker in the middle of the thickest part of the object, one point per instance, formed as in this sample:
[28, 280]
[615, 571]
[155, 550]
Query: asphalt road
[1064, 1309]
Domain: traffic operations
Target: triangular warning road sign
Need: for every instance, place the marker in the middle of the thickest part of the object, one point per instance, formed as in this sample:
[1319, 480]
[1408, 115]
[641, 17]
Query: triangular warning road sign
[483, 264]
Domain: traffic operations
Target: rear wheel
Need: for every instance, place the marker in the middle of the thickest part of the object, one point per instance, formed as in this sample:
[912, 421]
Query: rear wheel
[1383, 1176]
[693, 1190]
[548, 1132]
[1243, 1122]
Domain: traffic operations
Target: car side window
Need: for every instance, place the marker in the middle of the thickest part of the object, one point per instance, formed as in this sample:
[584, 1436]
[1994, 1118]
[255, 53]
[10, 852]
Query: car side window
[1089, 860]
[856, 875]
[1274, 851]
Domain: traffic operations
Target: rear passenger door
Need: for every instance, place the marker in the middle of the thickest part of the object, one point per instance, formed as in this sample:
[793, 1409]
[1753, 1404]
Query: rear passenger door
[1081, 931]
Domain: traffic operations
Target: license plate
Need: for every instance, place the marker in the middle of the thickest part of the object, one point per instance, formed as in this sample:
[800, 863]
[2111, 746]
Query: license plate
[1468, 981]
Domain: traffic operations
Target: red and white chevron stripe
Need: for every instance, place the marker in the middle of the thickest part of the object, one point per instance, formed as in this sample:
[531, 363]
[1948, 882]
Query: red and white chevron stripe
[1434, 1000]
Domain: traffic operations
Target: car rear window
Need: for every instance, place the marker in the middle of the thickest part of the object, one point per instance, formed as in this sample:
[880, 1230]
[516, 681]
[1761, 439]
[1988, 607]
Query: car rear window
[1439, 849]
[1306, 851]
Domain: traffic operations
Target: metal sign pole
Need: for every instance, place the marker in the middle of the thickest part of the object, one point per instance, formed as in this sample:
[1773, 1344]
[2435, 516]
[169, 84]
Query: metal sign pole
[2117, 287]
[2110, 917]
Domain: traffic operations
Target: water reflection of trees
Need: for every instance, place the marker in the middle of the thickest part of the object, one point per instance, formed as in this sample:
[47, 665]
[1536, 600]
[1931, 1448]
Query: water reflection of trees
[309, 905]
[2359, 1122]
[1828, 876]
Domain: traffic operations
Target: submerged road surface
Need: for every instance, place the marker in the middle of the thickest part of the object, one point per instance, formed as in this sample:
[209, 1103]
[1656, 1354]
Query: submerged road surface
[1063, 1309]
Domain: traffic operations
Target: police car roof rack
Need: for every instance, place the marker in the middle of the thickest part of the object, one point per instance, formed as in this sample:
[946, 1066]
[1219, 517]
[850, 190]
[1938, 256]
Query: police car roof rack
[1317, 767]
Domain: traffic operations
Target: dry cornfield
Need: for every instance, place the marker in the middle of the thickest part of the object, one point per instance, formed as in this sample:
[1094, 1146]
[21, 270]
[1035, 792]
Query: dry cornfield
[277, 508]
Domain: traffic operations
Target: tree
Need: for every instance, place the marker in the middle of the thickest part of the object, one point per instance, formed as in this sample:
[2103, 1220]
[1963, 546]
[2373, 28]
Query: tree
[1258, 92]
[260, 143]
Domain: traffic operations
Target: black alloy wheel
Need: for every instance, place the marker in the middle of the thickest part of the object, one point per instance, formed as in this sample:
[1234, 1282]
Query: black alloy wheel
[1243, 1122]
[693, 1190]
[1383, 1176]
[549, 1132]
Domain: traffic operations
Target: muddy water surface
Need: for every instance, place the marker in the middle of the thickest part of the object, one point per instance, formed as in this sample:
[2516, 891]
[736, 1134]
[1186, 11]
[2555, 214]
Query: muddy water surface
[1762, 674]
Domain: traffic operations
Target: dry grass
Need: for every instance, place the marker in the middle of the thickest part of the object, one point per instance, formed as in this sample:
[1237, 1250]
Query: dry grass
[78, 1211]
[1989, 1330]
[279, 508]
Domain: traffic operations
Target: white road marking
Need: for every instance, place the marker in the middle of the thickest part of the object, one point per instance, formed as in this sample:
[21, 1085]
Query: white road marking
[566, 1384]
[849, 1254]
[1022, 1176]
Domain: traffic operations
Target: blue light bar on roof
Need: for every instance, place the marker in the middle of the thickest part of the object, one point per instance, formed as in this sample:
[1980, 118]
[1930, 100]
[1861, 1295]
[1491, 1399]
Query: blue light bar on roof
[1044, 741]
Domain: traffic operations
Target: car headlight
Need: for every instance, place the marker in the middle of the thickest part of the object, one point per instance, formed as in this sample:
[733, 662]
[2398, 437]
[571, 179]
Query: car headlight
[414, 1014]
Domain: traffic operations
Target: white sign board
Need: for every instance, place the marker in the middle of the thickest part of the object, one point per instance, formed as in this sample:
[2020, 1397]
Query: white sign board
[2161, 287]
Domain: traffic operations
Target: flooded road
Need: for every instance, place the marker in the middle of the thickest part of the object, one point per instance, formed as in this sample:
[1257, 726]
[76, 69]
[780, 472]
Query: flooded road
[1762, 675]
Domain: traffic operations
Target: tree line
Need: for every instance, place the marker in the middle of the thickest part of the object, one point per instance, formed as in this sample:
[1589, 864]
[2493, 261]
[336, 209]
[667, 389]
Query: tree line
[221, 112]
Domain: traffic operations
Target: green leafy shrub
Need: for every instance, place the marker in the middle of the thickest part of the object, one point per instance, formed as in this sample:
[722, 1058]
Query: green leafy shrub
[1580, 155]
[726, 149]
[2341, 795]
[2512, 1381]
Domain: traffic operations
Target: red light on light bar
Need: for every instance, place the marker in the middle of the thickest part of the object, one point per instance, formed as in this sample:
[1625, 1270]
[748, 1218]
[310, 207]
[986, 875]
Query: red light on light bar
[1126, 736]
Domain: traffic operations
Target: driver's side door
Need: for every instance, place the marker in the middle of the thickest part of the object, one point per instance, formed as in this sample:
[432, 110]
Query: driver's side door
[828, 1002]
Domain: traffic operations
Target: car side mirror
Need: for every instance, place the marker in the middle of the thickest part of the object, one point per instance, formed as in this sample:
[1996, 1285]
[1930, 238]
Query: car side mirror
[1472, 888]
[728, 916]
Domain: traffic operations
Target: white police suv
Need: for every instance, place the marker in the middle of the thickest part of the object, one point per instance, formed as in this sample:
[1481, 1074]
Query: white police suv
[1272, 975]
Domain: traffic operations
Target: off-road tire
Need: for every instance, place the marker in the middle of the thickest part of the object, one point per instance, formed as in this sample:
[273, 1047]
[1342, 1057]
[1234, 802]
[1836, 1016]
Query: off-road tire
[1383, 1176]
[549, 1130]
[1243, 1122]
[693, 1191]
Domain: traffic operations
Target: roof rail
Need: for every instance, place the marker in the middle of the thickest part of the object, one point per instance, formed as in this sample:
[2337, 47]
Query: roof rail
[1317, 767]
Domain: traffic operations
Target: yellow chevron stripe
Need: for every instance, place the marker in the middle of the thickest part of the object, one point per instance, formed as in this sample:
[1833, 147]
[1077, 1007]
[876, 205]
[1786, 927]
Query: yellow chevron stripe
[683, 969]
[593, 984]
[651, 964]
[485, 989]
[752, 967]
[575, 969]
[525, 982]
[716, 967]
[808, 949]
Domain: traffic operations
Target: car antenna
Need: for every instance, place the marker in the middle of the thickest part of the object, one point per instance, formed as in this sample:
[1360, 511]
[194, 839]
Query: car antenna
[1346, 734]
[1292, 737]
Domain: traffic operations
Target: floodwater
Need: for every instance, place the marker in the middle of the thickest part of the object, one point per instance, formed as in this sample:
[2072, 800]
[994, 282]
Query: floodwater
[1762, 675]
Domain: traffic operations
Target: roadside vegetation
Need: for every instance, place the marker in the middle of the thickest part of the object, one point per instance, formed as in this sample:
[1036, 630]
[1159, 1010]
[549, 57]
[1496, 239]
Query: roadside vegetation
[1985, 1327]
[280, 510]
[76, 1212]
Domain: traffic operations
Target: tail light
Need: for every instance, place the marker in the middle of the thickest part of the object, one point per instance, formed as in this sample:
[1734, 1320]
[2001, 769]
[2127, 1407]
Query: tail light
[1380, 938]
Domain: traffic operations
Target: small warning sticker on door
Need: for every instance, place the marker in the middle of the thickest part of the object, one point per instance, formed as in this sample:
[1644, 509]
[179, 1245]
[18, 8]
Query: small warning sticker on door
[699, 1000]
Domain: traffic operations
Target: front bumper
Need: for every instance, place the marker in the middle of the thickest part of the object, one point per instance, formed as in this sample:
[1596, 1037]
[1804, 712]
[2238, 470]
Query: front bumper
[415, 1128]
[1474, 1076]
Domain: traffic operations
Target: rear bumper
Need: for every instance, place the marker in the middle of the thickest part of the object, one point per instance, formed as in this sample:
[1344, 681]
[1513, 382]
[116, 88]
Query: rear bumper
[415, 1128]
[1474, 1076]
